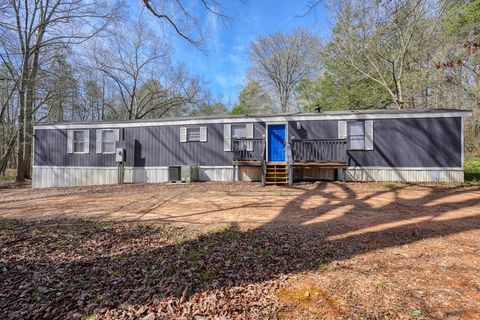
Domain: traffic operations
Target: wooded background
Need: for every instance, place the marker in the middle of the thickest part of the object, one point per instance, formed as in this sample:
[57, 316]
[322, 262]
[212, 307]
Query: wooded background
[79, 60]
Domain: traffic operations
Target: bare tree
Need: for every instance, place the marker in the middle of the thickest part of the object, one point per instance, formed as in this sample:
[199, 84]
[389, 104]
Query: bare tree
[7, 119]
[281, 61]
[138, 64]
[31, 32]
[178, 15]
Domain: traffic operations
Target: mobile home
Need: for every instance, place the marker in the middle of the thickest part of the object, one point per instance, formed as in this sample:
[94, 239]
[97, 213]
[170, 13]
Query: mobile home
[377, 145]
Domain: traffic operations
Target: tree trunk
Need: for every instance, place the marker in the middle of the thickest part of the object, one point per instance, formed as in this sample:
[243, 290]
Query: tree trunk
[21, 137]
[8, 152]
[27, 163]
[60, 112]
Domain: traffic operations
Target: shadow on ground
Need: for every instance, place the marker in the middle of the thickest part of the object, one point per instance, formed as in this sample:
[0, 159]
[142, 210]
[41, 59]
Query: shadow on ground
[72, 268]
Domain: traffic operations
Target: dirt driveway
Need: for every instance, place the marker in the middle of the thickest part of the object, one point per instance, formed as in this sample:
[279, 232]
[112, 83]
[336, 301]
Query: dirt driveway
[310, 251]
[368, 207]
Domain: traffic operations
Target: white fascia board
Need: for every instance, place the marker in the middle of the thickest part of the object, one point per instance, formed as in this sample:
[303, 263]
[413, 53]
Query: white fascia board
[99, 125]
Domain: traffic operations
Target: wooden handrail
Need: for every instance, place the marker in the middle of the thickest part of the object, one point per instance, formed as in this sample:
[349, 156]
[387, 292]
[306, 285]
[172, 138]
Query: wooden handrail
[247, 149]
[326, 140]
[319, 150]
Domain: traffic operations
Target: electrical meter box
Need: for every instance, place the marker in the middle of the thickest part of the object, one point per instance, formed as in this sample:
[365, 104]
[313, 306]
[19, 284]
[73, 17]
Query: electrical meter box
[120, 155]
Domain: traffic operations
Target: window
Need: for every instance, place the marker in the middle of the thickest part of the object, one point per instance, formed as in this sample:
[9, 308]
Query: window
[238, 131]
[356, 135]
[108, 141]
[243, 131]
[80, 142]
[198, 134]
[193, 134]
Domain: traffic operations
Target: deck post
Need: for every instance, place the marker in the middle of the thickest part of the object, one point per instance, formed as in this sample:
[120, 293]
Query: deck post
[289, 164]
[262, 173]
[344, 174]
[236, 174]
[290, 174]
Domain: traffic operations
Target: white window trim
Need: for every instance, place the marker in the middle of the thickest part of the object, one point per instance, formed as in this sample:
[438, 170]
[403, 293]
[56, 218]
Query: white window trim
[86, 141]
[183, 134]
[99, 140]
[349, 136]
[227, 137]
[369, 135]
[239, 125]
[203, 134]
[114, 140]
[199, 134]
[342, 130]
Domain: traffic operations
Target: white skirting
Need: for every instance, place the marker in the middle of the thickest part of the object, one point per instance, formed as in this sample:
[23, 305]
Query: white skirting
[215, 173]
[160, 174]
[44, 177]
[145, 175]
[404, 174]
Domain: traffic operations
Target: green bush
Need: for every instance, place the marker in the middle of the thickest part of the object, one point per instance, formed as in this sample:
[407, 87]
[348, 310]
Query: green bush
[472, 169]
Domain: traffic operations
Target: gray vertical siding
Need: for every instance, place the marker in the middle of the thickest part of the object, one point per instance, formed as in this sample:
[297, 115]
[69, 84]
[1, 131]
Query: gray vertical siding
[325, 129]
[51, 150]
[161, 146]
[145, 147]
[414, 143]
[429, 142]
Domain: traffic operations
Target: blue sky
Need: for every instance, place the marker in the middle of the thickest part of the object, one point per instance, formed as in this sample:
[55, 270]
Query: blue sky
[224, 66]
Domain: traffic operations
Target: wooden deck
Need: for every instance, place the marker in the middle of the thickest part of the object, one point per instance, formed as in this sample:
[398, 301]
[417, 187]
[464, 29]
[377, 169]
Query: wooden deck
[319, 164]
[255, 163]
[300, 153]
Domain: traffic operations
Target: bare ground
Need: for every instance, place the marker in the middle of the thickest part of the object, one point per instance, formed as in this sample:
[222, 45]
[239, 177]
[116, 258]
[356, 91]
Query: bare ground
[313, 251]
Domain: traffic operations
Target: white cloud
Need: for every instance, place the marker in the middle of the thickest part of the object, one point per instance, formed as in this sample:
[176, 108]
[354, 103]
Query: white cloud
[229, 80]
[213, 29]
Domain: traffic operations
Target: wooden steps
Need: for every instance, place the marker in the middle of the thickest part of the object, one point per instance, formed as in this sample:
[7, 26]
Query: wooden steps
[276, 173]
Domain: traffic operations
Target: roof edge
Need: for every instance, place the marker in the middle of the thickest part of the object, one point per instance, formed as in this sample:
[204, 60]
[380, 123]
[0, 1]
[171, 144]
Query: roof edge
[328, 115]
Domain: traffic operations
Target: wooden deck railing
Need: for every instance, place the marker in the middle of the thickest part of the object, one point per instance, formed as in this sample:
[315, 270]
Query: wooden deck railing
[319, 150]
[248, 149]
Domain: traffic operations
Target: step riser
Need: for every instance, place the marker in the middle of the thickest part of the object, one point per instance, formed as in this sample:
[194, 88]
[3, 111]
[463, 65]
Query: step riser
[276, 174]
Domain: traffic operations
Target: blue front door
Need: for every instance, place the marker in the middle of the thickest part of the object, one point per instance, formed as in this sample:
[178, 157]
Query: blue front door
[276, 143]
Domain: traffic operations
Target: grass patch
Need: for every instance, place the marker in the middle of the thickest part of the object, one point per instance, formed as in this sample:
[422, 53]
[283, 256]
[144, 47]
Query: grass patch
[267, 253]
[10, 175]
[472, 169]
[218, 229]
[389, 186]
[323, 267]
[206, 277]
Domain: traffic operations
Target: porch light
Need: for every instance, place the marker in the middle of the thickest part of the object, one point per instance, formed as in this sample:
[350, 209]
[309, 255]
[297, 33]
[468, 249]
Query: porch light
[299, 125]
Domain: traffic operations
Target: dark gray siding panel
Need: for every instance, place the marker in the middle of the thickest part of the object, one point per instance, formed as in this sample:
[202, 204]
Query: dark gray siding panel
[326, 129]
[51, 150]
[435, 142]
[161, 146]
[146, 146]
[432, 142]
